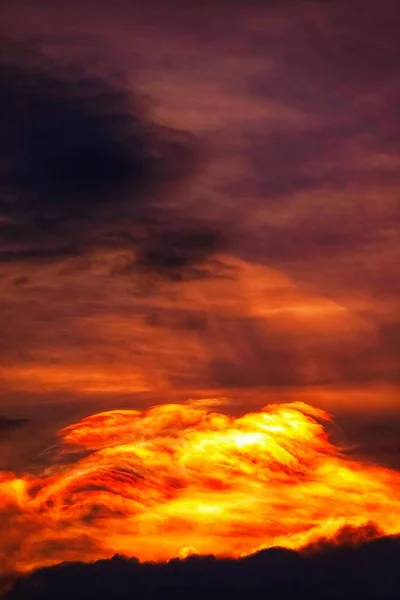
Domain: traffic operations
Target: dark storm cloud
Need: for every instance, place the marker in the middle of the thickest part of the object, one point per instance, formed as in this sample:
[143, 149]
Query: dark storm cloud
[68, 146]
[342, 570]
[80, 160]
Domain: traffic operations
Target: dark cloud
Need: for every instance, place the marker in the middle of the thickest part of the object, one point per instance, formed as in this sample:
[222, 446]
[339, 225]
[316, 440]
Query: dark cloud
[70, 145]
[172, 245]
[331, 570]
[179, 253]
[8, 425]
[83, 167]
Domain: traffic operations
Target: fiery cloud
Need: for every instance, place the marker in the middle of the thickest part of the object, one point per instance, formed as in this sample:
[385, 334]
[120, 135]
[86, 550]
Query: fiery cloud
[178, 479]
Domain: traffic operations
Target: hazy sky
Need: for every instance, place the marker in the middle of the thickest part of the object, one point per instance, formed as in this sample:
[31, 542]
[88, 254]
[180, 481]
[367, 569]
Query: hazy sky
[199, 200]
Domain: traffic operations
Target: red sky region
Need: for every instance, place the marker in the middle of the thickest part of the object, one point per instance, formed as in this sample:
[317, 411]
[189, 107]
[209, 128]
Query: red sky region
[256, 260]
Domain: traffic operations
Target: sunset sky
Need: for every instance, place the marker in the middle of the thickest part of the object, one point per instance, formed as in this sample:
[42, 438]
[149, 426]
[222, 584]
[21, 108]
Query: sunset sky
[199, 200]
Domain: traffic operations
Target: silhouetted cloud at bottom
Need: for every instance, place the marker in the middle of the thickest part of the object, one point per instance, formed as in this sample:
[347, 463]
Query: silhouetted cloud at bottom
[344, 568]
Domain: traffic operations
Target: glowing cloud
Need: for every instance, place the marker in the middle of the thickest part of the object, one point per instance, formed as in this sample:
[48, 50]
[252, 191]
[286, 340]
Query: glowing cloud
[178, 479]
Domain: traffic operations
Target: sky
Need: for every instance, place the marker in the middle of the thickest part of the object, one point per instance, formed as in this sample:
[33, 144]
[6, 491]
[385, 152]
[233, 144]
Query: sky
[199, 201]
